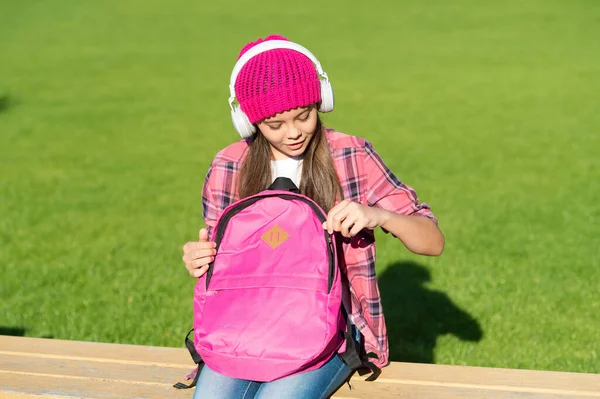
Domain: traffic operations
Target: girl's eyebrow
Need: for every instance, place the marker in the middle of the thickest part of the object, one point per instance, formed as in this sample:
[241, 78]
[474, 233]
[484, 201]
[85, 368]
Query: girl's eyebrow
[278, 121]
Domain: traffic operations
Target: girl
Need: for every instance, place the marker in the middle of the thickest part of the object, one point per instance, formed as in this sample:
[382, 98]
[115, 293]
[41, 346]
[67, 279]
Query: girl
[278, 89]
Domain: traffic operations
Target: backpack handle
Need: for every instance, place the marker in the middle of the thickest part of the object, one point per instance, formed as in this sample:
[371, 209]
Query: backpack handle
[284, 184]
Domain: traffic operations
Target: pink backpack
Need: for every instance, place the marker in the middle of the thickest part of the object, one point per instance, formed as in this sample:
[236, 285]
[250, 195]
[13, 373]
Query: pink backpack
[270, 305]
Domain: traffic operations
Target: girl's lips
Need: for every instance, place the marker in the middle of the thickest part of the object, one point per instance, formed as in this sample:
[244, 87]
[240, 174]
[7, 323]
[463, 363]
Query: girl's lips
[296, 146]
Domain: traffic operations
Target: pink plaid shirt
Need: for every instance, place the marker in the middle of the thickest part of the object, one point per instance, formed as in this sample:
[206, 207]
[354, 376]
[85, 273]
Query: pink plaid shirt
[365, 179]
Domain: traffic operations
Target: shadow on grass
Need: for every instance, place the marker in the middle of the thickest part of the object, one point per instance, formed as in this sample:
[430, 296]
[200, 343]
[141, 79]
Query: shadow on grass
[416, 315]
[5, 102]
[18, 332]
[14, 331]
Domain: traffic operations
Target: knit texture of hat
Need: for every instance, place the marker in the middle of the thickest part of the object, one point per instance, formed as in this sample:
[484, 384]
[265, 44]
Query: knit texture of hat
[276, 81]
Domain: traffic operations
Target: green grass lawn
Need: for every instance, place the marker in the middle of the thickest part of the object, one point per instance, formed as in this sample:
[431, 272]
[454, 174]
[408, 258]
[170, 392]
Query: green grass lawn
[111, 111]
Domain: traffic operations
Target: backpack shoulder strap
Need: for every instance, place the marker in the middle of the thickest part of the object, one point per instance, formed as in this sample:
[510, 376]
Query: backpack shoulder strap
[352, 356]
[197, 359]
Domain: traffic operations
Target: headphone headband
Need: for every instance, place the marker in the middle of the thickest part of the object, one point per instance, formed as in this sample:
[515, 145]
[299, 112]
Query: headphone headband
[266, 46]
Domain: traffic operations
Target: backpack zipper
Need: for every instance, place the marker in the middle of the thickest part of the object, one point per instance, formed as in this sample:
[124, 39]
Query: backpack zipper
[332, 258]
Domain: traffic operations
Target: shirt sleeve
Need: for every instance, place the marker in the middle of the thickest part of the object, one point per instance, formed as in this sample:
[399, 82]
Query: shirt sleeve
[210, 211]
[385, 190]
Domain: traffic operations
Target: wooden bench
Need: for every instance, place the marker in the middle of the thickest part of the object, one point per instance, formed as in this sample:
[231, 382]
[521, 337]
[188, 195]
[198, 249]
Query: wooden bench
[35, 367]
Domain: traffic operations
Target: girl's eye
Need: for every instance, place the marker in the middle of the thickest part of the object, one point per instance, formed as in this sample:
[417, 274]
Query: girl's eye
[274, 127]
[305, 118]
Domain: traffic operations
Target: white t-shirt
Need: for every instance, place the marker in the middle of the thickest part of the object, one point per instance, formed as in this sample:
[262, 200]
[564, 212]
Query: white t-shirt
[290, 168]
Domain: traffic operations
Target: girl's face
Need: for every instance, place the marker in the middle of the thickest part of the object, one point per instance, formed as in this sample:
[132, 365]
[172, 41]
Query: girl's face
[289, 132]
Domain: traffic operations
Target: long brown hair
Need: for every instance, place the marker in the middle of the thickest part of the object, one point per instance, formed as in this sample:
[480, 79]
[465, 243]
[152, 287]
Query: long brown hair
[319, 179]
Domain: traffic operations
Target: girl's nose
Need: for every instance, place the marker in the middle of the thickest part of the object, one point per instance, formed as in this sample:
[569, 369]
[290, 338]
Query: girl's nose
[293, 133]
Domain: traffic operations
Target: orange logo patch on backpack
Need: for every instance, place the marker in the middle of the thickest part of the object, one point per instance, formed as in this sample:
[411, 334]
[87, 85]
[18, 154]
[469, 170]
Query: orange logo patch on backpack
[275, 236]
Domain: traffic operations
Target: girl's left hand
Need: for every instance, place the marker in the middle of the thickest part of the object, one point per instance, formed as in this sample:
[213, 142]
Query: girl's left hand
[349, 218]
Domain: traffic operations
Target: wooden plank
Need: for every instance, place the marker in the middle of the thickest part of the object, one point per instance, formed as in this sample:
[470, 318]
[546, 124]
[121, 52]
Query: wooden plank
[33, 366]
[31, 385]
[431, 392]
[401, 388]
[54, 386]
[69, 387]
[83, 369]
[70, 369]
[62, 377]
[530, 380]
[17, 395]
[178, 357]
[97, 351]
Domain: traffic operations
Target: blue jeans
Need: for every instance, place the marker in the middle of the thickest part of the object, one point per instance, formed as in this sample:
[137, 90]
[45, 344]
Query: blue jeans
[315, 384]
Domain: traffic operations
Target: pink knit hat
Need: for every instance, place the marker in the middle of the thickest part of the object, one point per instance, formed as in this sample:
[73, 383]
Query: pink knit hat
[276, 81]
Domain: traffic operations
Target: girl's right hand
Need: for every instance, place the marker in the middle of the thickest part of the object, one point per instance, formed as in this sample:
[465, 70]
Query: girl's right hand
[198, 254]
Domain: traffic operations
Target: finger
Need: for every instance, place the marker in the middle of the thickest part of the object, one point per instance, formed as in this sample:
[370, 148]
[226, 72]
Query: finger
[341, 216]
[335, 216]
[197, 245]
[199, 254]
[332, 211]
[199, 272]
[203, 235]
[188, 246]
[190, 267]
[347, 224]
[357, 228]
[199, 263]
[203, 253]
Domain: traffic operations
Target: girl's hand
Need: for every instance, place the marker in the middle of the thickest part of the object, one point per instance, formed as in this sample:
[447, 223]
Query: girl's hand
[349, 218]
[198, 254]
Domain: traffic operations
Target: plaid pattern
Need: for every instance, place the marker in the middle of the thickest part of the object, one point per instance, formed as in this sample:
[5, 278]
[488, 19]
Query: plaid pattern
[364, 179]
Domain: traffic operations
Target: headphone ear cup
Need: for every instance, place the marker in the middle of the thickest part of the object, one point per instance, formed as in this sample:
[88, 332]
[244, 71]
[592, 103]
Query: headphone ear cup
[326, 96]
[241, 123]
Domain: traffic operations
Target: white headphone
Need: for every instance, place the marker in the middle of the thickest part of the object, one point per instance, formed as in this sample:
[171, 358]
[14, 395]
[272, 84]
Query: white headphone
[239, 118]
